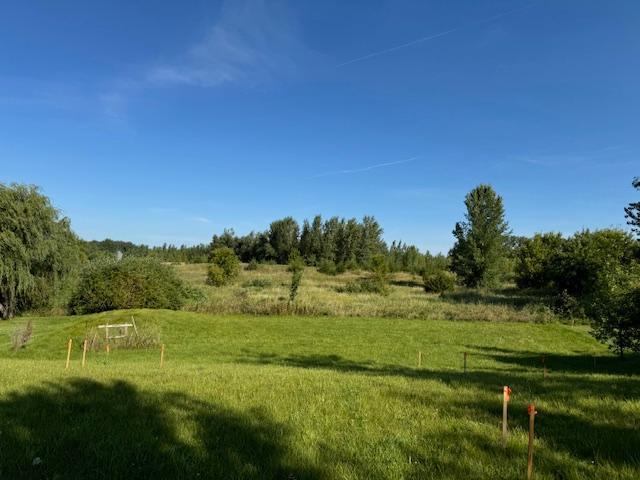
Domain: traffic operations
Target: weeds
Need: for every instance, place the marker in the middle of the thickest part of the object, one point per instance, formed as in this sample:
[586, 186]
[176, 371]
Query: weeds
[21, 336]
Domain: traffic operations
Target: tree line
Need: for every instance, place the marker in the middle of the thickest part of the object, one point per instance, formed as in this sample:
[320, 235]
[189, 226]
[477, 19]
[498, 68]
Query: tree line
[591, 273]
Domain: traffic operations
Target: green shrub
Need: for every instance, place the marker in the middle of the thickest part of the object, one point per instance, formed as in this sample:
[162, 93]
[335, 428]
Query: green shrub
[535, 260]
[128, 283]
[614, 307]
[296, 278]
[296, 264]
[439, 281]
[225, 266]
[216, 275]
[252, 265]
[328, 267]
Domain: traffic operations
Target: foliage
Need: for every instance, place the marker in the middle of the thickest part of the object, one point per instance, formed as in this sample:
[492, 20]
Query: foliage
[21, 336]
[225, 266]
[216, 275]
[434, 264]
[406, 258]
[165, 253]
[345, 242]
[632, 211]
[328, 267]
[296, 279]
[536, 259]
[130, 283]
[614, 306]
[295, 263]
[478, 256]
[567, 306]
[283, 238]
[38, 250]
[587, 256]
[439, 281]
[252, 265]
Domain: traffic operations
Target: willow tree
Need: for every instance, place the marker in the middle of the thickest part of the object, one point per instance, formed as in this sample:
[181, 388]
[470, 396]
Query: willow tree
[37, 249]
[478, 256]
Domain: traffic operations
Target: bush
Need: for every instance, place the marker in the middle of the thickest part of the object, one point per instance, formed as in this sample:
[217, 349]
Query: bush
[328, 267]
[216, 275]
[296, 264]
[252, 265]
[439, 282]
[535, 260]
[614, 308]
[296, 278]
[566, 305]
[128, 283]
[225, 266]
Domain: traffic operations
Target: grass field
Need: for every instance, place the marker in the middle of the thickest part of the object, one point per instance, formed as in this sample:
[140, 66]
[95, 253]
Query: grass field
[315, 397]
[265, 292]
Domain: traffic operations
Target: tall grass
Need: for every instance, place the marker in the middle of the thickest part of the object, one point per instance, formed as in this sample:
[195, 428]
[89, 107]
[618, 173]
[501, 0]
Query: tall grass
[321, 294]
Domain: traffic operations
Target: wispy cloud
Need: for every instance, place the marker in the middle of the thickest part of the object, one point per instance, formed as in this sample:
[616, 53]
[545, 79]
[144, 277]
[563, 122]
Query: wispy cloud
[416, 41]
[364, 169]
[253, 41]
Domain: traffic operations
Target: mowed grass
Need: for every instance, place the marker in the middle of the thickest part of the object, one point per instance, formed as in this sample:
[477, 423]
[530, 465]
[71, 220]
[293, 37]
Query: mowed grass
[317, 398]
[266, 291]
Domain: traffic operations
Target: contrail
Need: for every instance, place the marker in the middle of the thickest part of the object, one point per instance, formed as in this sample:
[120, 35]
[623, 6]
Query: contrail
[431, 37]
[364, 169]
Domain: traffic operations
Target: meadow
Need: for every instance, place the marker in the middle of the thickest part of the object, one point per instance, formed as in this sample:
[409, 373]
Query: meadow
[242, 396]
[265, 292]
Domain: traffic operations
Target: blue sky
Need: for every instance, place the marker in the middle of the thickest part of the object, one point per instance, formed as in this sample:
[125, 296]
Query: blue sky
[168, 121]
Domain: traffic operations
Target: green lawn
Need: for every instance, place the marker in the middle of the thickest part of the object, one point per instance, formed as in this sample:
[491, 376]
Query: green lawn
[315, 397]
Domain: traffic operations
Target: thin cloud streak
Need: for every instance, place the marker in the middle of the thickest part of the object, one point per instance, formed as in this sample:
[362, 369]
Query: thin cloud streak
[364, 169]
[431, 37]
[253, 42]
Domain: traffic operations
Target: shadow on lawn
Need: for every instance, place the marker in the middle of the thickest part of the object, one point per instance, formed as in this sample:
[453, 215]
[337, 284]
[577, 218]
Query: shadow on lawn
[595, 434]
[87, 429]
[578, 363]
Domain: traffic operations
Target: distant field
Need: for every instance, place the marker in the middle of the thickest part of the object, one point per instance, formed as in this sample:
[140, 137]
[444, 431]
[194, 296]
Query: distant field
[316, 398]
[265, 291]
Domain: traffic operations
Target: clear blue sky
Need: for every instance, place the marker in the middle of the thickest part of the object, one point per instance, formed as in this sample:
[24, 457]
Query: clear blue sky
[168, 121]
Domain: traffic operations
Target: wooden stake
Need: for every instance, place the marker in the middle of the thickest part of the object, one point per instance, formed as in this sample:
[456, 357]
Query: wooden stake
[108, 347]
[506, 396]
[161, 355]
[419, 359]
[532, 415]
[68, 354]
[84, 353]
[465, 362]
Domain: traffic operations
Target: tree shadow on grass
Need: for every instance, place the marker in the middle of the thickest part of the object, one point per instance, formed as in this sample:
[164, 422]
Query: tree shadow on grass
[573, 444]
[572, 363]
[86, 429]
[596, 433]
